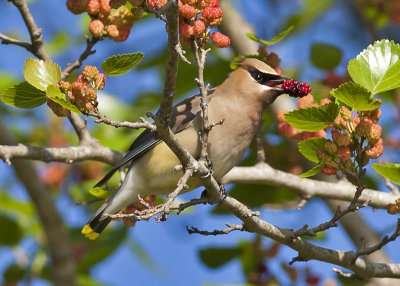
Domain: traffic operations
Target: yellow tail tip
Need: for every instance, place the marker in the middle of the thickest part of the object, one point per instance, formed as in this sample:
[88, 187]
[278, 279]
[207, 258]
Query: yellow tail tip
[89, 233]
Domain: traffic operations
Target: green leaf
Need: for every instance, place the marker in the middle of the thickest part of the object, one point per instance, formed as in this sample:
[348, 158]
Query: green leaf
[308, 148]
[390, 171]
[325, 56]
[313, 118]
[11, 232]
[14, 273]
[120, 64]
[313, 171]
[355, 96]
[24, 95]
[56, 95]
[100, 193]
[216, 257]
[274, 40]
[236, 60]
[377, 68]
[41, 74]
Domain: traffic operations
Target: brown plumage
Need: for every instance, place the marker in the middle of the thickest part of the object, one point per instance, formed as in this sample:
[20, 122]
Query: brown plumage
[239, 101]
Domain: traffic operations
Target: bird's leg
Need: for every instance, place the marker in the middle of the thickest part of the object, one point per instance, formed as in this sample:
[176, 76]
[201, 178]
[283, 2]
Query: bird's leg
[222, 191]
[209, 165]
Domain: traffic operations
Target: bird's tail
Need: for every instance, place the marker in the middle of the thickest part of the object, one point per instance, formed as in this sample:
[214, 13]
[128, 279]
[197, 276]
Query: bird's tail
[97, 223]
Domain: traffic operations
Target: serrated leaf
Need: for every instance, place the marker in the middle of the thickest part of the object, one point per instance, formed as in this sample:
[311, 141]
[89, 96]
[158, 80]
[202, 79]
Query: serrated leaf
[377, 68]
[355, 96]
[313, 171]
[390, 171]
[215, 257]
[41, 74]
[120, 64]
[313, 118]
[308, 148]
[274, 40]
[56, 95]
[100, 193]
[23, 95]
[325, 56]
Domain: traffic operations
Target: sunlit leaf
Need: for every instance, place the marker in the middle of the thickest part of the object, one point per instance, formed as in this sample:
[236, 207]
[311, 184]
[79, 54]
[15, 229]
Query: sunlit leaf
[120, 64]
[325, 56]
[313, 171]
[377, 68]
[23, 95]
[100, 193]
[313, 118]
[308, 148]
[56, 95]
[274, 40]
[355, 96]
[390, 171]
[41, 74]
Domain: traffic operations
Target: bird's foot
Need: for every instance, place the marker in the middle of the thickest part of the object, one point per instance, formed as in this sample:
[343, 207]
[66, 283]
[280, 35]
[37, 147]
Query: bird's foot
[223, 193]
[209, 165]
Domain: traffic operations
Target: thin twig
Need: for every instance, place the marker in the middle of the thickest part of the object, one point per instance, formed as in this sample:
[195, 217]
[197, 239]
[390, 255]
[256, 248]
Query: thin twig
[11, 41]
[134, 125]
[230, 228]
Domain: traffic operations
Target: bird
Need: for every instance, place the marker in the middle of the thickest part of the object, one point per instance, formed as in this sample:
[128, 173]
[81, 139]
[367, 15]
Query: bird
[239, 102]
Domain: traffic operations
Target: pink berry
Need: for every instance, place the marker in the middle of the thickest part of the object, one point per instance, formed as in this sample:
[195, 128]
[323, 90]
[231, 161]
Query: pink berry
[90, 72]
[93, 7]
[77, 6]
[287, 130]
[96, 27]
[112, 31]
[214, 3]
[187, 11]
[105, 7]
[186, 30]
[123, 34]
[376, 150]
[344, 153]
[364, 127]
[199, 27]
[375, 133]
[340, 139]
[329, 170]
[220, 40]
[211, 13]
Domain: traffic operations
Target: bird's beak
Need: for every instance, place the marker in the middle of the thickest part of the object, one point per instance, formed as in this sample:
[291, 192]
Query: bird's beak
[275, 84]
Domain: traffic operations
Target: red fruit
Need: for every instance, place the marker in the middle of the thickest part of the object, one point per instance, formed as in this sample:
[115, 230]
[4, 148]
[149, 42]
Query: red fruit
[96, 27]
[220, 40]
[77, 6]
[376, 150]
[329, 170]
[214, 3]
[340, 139]
[186, 30]
[295, 88]
[199, 27]
[211, 13]
[123, 35]
[93, 7]
[105, 7]
[187, 11]
[344, 153]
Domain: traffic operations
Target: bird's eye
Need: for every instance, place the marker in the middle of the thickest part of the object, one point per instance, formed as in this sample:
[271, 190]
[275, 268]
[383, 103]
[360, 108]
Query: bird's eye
[257, 75]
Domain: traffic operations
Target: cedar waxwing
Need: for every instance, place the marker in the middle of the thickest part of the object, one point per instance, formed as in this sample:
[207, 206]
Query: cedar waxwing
[239, 101]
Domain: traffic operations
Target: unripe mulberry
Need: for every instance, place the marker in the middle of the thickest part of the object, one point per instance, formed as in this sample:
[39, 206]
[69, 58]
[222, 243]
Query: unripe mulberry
[199, 27]
[340, 139]
[220, 40]
[344, 153]
[117, 3]
[375, 133]
[100, 81]
[364, 127]
[90, 94]
[376, 150]
[346, 113]
[90, 72]
[324, 101]
[123, 35]
[186, 30]
[112, 31]
[77, 6]
[96, 28]
[287, 130]
[211, 13]
[105, 7]
[57, 109]
[330, 147]
[93, 7]
[187, 11]
[329, 170]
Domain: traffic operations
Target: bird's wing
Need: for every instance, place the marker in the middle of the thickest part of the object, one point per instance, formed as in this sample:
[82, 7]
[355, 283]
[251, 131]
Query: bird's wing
[182, 117]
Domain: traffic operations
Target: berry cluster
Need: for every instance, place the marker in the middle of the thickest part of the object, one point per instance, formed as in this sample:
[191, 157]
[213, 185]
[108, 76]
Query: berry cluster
[109, 17]
[82, 92]
[195, 16]
[296, 88]
[357, 137]
[138, 206]
[287, 130]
